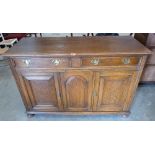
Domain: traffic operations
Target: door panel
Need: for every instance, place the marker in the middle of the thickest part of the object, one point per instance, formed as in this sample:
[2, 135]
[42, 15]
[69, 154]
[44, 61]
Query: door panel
[43, 91]
[77, 90]
[113, 89]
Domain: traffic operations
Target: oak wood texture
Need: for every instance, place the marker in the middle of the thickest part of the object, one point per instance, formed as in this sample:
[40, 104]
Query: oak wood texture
[109, 61]
[77, 87]
[42, 91]
[97, 75]
[42, 62]
[113, 89]
[77, 46]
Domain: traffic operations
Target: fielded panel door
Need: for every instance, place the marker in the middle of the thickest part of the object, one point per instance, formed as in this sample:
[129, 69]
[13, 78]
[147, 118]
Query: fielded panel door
[77, 87]
[112, 90]
[41, 91]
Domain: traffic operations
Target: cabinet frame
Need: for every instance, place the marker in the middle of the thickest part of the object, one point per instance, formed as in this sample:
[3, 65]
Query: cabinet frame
[57, 77]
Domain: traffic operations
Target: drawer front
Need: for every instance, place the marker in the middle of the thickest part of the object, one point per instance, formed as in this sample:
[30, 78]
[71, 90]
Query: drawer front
[42, 62]
[110, 61]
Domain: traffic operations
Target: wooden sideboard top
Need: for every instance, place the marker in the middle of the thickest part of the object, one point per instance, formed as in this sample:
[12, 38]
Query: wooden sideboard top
[73, 46]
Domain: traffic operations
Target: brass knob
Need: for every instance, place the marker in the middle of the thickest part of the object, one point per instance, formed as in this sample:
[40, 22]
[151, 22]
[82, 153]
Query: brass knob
[55, 61]
[27, 62]
[126, 61]
[95, 61]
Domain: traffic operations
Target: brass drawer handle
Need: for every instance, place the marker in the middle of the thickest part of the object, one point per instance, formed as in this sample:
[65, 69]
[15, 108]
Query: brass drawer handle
[126, 61]
[55, 61]
[95, 61]
[27, 62]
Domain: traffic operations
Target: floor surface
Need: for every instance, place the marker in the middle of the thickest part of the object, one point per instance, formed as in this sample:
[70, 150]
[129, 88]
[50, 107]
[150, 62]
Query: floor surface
[12, 108]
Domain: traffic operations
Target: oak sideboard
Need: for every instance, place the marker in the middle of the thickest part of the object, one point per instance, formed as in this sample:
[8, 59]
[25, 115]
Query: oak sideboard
[77, 75]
